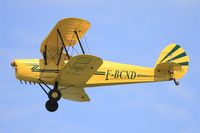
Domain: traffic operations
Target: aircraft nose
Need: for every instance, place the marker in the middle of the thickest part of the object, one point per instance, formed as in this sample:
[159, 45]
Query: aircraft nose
[13, 64]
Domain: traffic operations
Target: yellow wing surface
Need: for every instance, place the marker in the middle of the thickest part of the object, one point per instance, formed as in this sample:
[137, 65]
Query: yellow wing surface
[78, 70]
[53, 43]
[63, 34]
[74, 93]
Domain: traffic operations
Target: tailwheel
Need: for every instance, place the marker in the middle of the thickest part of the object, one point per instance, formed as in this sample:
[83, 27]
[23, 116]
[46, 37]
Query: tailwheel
[54, 95]
[51, 105]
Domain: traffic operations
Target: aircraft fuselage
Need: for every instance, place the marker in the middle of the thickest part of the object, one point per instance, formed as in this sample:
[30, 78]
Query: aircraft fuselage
[109, 73]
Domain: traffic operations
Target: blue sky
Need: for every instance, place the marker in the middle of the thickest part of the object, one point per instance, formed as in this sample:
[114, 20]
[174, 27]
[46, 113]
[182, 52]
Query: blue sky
[132, 32]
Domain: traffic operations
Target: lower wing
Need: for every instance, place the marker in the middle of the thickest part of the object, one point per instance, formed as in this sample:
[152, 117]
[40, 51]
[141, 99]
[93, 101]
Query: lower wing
[75, 74]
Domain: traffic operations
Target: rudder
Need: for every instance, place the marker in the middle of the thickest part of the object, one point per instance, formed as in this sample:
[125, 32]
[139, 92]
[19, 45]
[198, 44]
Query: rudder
[176, 54]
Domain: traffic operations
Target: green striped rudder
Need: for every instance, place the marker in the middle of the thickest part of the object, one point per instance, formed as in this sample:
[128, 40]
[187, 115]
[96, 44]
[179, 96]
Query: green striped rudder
[175, 53]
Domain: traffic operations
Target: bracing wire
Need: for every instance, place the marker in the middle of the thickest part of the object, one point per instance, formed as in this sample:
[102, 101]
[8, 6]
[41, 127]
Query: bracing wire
[83, 44]
[87, 46]
[83, 41]
[75, 50]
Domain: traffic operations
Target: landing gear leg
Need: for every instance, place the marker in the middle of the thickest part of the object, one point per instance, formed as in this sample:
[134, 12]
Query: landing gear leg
[174, 79]
[54, 96]
[176, 82]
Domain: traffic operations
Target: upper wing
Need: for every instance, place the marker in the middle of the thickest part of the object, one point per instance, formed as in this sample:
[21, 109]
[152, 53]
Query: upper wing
[52, 45]
[78, 70]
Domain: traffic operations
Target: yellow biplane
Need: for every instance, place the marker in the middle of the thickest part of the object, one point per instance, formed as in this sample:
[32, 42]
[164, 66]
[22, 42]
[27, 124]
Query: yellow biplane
[69, 75]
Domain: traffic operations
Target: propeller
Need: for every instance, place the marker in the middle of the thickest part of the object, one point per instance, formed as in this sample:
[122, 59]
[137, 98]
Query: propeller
[13, 64]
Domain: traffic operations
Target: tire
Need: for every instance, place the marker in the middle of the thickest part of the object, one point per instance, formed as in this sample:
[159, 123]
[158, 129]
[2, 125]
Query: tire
[54, 95]
[51, 105]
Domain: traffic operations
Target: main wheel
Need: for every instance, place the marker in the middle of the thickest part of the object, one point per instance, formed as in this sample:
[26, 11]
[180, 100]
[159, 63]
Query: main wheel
[54, 95]
[51, 105]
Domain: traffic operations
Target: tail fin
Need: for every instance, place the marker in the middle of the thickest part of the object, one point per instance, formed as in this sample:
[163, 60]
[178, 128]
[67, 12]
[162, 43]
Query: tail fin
[174, 54]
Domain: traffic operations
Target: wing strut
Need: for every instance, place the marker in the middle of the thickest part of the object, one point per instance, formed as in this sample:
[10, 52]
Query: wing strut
[59, 56]
[45, 55]
[79, 41]
[63, 43]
